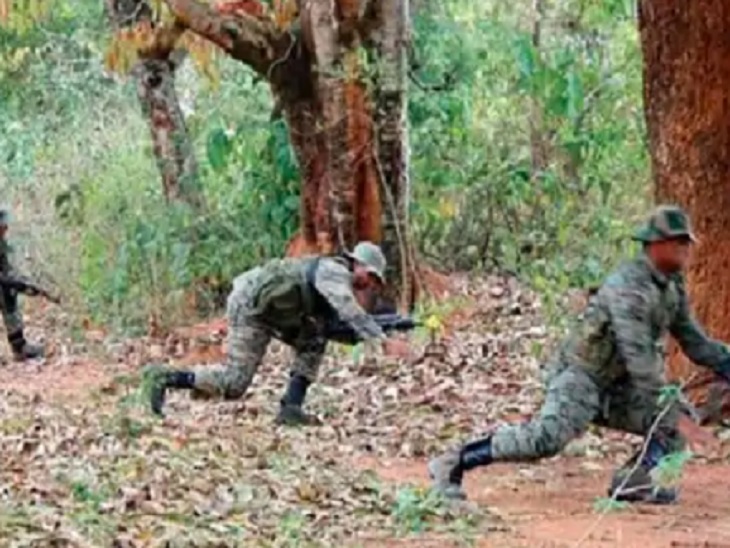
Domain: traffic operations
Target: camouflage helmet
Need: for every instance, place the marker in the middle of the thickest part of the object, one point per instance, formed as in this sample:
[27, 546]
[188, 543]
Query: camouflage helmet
[371, 257]
[665, 223]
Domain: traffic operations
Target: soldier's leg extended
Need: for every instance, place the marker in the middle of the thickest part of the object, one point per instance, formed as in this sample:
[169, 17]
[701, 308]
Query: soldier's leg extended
[309, 353]
[571, 404]
[245, 347]
[635, 410]
[14, 325]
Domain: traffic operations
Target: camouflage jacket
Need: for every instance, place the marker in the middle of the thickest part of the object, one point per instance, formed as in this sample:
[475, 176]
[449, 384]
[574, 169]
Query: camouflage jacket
[293, 294]
[623, 328]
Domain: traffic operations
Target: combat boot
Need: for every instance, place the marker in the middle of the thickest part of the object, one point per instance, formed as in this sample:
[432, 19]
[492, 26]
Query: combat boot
[158, 379]
[22, 349]
[639, 486]
[447, 471]
[291, 412]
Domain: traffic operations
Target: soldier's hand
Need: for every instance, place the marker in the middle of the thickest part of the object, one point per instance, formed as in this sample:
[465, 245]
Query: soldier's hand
[699, 439]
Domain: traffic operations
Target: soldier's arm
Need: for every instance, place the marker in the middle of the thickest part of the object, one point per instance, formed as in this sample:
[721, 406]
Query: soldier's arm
[334, 282]
[693, 340]
[630, 309]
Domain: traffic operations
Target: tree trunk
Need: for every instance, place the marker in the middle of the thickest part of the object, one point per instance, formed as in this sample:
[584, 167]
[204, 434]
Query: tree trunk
[154, 74]
[347, 130]
[687, 101]
[392, 153]
[170, 139]
[539, 145]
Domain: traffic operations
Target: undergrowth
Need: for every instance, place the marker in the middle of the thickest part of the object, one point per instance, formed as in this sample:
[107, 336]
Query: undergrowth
[524, 159]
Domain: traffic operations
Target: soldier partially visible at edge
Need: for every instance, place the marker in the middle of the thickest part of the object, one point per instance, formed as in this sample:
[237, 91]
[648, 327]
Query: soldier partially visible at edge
[9, 304]
[609, 371]
[288, 299]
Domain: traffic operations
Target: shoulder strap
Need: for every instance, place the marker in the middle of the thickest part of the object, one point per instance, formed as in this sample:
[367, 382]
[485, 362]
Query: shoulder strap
[311, 272]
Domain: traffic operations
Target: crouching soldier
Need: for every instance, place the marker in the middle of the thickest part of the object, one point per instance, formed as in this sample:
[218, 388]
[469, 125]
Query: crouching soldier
[9, 303]
[609, 370]
[291, 300]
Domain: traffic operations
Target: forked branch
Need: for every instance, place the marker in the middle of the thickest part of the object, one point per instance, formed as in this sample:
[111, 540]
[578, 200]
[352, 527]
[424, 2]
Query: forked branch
[255, 41]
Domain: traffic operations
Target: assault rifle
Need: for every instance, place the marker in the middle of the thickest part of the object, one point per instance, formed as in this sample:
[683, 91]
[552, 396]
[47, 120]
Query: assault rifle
[341, 332]
[29, 288]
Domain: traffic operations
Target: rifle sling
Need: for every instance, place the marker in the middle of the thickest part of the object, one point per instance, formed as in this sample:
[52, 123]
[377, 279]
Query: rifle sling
[315, 303]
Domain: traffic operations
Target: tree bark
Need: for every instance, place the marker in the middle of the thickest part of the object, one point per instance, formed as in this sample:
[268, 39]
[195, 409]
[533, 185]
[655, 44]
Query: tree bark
[686, 50]
[154, 74]
[391, 42]
[539, 146]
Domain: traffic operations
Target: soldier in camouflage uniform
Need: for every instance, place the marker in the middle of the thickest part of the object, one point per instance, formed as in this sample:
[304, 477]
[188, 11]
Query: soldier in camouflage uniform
[287, 299]
[9, 305]
[609, 371]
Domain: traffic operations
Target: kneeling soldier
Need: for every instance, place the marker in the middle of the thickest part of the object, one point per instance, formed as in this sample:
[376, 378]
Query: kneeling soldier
[291, 300]
[609, 370]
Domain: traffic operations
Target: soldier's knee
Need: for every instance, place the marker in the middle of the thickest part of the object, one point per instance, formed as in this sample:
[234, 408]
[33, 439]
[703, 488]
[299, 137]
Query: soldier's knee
[549, 446]
[552, 438]
[236, 387]
[234, 392]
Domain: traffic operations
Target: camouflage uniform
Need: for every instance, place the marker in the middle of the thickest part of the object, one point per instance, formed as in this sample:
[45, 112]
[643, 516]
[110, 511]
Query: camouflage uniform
[288, 299]
[608, 371]
[9, 304]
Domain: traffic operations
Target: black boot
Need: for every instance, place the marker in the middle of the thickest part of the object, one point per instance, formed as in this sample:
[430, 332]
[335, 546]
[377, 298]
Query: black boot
[476, 453]
[160, 379]
[291, 412]
[447, 471]
[22, 350]
[639, 487]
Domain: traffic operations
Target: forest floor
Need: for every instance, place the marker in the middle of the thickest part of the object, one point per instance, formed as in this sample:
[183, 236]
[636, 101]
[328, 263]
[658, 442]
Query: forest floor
[84, 464]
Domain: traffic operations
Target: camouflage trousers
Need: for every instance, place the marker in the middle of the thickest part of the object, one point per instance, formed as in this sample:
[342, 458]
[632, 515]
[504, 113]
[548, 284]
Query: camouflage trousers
[10, 309]
[246, 345]
[573, 401]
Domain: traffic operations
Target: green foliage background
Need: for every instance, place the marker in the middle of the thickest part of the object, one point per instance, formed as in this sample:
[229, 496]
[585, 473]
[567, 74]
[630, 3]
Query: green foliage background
[78, 169]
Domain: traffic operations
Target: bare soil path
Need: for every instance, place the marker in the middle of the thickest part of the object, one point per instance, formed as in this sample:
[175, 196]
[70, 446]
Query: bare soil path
[551, 505]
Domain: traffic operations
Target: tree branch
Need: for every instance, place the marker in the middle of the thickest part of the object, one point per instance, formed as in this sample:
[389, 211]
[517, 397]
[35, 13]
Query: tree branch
[128, 14]
[254, 41]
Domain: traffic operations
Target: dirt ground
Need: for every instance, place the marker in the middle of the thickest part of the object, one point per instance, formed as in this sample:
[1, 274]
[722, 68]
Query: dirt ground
[551, 505]
[541, 505]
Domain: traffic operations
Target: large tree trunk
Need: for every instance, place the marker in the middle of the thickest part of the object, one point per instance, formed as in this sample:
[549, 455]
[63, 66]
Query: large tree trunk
[687, 101]
[347, 129]
[154, 74]
[391, 42]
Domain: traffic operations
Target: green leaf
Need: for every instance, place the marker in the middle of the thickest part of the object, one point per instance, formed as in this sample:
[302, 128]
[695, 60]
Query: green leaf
[527, 63]
[291, 203]
[218, 148]
[574, 94]
[669, 393]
